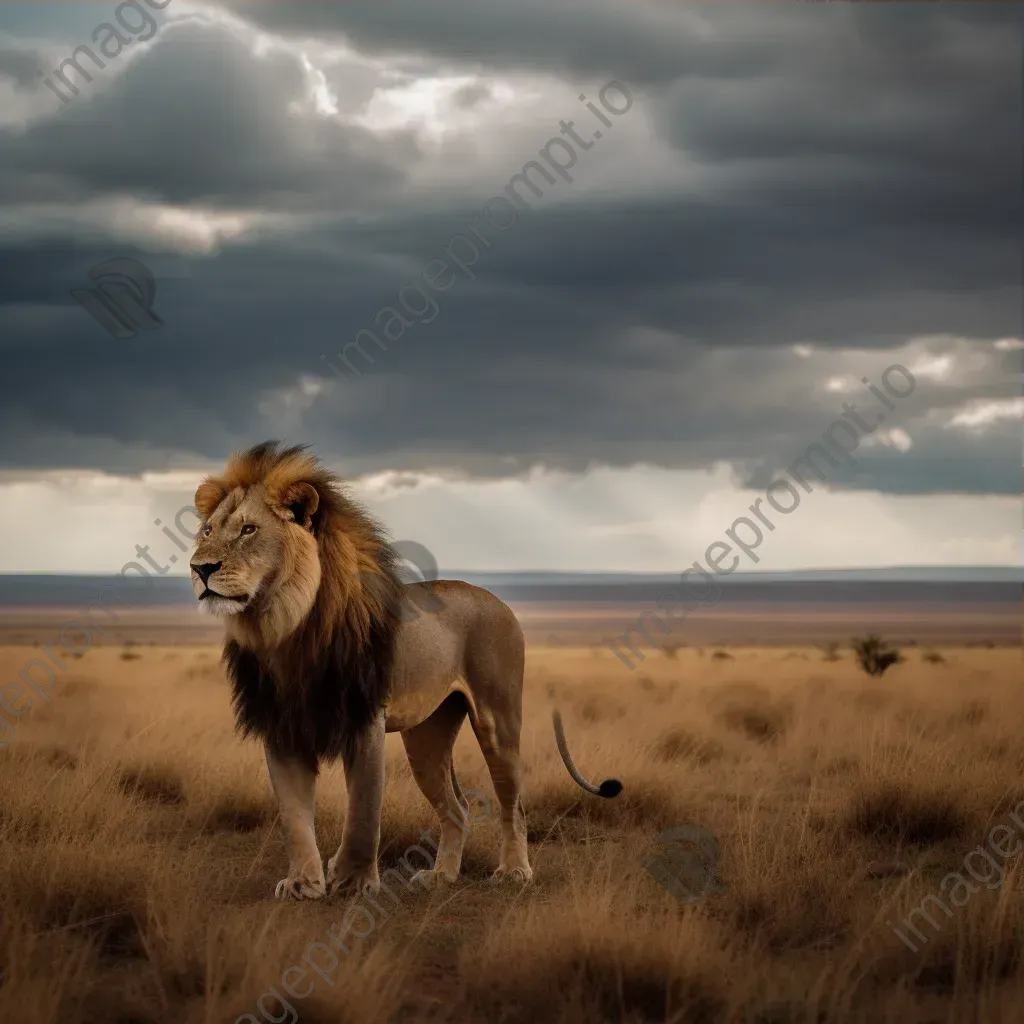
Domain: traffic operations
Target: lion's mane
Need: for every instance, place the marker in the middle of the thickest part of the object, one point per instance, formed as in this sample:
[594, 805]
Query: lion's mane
[313, 693]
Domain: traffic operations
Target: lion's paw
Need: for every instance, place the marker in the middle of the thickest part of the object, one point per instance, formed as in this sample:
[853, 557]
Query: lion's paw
[351, 881]
[433, 879]
[300, 888]
[521, 876]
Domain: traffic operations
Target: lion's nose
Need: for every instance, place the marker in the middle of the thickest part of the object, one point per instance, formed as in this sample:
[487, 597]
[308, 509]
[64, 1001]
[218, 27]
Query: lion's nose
[206, 570]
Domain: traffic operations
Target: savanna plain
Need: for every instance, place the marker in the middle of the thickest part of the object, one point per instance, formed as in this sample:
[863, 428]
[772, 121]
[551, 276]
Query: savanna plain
[140, 847]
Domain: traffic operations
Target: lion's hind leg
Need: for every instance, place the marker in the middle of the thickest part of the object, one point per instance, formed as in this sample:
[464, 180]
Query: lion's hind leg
[499, 742]
[429, 748]
[494, 673]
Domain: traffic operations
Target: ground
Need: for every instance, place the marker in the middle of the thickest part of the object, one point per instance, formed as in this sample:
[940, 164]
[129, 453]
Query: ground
[141, 848]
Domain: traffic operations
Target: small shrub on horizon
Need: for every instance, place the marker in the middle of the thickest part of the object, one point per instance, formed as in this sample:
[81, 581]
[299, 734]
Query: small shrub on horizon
[933, 658]
[831, 651]
[874, 655]
[721, 656]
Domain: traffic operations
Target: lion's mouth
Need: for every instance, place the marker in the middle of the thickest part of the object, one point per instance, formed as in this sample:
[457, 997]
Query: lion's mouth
[224, 597]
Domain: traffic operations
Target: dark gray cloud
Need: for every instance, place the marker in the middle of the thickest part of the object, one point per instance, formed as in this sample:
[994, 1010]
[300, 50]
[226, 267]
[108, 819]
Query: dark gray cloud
[849, 176]
[198, 119]
[20, 66]
[645, 42]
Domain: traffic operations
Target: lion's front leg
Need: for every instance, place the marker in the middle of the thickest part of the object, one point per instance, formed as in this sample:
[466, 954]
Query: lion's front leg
[354, 866]
[295, 786]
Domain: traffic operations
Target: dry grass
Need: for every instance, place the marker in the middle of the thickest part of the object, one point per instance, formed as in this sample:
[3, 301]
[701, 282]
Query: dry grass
[140, 844]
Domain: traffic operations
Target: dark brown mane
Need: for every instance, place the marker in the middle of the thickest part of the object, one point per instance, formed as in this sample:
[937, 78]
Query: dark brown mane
[311, 695]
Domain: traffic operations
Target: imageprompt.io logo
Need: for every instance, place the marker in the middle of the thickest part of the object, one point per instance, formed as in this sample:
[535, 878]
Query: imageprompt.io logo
[122, 301]
[412, 553]
[685, 863]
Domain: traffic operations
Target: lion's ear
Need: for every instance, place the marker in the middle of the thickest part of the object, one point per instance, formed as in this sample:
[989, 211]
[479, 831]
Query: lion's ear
[299, 503]
[210, 494]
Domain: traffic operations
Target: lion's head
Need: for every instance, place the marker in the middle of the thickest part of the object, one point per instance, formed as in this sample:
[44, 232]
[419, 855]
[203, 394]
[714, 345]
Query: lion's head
[256, 545]
[278, 538]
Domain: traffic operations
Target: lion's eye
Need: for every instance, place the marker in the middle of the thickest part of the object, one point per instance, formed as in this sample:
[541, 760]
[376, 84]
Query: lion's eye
[248, 529]
[207, 530]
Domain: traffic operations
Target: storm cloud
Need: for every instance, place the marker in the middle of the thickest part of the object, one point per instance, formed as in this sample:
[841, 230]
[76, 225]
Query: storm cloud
[798, 197]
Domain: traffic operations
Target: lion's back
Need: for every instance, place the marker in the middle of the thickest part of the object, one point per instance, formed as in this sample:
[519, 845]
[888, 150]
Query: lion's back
[450, 630]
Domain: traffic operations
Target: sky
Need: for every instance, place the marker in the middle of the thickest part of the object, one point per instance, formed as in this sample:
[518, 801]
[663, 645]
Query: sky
[747, 209]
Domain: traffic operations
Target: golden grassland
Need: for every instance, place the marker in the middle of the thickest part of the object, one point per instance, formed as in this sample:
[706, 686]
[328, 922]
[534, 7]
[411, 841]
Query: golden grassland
[140, 848]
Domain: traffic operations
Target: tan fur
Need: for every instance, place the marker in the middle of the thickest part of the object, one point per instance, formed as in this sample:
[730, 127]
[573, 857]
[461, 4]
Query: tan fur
[316, 578]
[353, 538]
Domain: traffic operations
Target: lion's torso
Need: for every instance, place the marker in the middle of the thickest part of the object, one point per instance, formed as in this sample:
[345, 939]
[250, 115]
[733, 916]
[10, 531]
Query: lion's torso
[447, 629]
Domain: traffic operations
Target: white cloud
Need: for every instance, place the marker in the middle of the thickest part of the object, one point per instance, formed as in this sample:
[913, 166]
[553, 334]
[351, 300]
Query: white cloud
[896, 437]
[983, 414]
[935, 367]
[638, 519]
[186, 229]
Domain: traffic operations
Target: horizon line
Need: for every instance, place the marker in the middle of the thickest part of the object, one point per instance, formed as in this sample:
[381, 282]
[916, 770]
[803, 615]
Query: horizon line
[934, 567]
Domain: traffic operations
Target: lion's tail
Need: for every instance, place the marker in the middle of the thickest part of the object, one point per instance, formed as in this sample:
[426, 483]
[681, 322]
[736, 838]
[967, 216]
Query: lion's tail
[608, 788]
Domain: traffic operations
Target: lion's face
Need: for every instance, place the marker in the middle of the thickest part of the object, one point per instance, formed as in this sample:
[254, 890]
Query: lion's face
[250, 553]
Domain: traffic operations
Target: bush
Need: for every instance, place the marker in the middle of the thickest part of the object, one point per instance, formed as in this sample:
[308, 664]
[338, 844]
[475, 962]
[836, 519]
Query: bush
[831, 651]
[933, 658]
[874, 654]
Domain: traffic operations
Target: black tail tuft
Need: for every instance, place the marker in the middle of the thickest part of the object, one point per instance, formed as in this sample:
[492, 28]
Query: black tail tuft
[608, 788]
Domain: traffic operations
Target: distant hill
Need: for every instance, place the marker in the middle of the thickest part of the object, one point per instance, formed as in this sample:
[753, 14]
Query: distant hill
[940, 585]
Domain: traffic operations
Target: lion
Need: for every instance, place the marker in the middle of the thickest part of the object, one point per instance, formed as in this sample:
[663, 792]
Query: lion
[324, 660]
